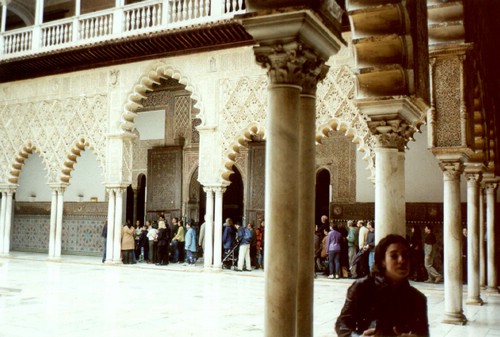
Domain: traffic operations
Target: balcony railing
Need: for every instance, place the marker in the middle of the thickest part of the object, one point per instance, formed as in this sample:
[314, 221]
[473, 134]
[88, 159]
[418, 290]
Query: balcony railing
[131, 20]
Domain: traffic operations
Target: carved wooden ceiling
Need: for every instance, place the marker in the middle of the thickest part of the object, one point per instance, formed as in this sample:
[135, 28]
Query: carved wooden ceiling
[168, 43]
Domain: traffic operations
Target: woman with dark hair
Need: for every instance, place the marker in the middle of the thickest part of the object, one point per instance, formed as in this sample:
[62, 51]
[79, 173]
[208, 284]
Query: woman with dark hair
[383, 303]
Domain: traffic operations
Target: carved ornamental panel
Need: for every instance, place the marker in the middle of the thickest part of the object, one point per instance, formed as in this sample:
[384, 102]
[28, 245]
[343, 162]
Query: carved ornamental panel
[165, 177]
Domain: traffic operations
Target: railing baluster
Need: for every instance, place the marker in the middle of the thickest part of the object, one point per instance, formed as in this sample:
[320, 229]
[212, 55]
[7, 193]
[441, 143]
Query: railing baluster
[149, 15]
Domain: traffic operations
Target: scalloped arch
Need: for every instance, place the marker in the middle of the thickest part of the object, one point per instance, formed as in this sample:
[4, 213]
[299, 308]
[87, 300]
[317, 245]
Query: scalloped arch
[71, 158]
[362, 141]
[241, 140]
[18, 163]
[145, 84]
[322, 132]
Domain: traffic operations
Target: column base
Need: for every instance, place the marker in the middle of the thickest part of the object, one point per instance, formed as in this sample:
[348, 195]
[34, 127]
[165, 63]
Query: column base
[55, 258]
[474, 301]
[492, 290]
[457, 318]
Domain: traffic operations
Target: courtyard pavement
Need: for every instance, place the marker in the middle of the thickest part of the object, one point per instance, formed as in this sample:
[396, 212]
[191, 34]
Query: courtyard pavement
[79, 296]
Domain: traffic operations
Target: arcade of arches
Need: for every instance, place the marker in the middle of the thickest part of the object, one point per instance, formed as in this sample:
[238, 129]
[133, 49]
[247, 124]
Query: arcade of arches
[284, 127]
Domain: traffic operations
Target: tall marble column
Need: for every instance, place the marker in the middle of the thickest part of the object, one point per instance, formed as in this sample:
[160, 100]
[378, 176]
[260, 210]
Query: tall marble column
[8, 222]
[482, 240]
[117, 244]
[452, 242]
[209, 228]
[307, 176]
[111, 226]
[281, 207]
[219, 191]
[490, 235]
[473, 290]
[390, 204]
[56, 220]
[291, 46]
[2, 220]
[52, 225]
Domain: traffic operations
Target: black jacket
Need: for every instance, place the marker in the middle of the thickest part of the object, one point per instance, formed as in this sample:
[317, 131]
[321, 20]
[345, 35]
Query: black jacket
[371, 300]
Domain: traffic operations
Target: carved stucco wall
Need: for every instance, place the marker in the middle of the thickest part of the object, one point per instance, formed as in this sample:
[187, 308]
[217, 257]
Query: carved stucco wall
[244, 109]
[52, 127]
[448, 102]
[337, 154]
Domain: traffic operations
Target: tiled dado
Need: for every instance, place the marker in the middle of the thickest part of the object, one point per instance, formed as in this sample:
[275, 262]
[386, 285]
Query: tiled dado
[80, 234]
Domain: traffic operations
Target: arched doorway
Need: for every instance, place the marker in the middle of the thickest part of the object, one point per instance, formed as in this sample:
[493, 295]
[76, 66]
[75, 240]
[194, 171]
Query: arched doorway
[322, 195]
[233, 198]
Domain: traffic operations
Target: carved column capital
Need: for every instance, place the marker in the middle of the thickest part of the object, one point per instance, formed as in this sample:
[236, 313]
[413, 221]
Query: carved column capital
[291, 63]
[451, 170]
[219, 190]
[473, 179]
[490, 187]
[393, 133]
[60, 188]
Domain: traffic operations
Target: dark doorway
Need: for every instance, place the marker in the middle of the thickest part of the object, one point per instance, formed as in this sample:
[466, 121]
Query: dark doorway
[141, 197]
[322, 195]
[129, 211]
[233, 198]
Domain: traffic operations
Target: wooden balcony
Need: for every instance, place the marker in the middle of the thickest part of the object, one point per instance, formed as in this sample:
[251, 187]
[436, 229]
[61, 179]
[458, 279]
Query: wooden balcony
[144, 30]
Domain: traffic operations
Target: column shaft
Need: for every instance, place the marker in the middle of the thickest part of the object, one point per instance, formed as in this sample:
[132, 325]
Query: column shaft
[218, 229]
[281, 207]
[482, 247]
[111, 227]
[3, 211]
[118, 225]
[490, 234]
[305, 277]
[452, 242]
[473, 240]
[8, 223]
[390, 205]
[209, 229]
[59, 223]
[52, 226]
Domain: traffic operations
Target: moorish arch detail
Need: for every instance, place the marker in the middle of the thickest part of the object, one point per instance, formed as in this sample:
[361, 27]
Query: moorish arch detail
[72, 157]
[146, 84]
[335, 109]
[51, 127]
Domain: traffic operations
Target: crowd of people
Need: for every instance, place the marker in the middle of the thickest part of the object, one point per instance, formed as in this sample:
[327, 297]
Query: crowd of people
[349, 251]
[161, 243]
[340, 251]
[157, 242]
[243, 246]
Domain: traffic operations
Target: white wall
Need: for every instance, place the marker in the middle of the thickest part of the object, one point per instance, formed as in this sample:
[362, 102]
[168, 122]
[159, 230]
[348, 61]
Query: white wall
[87, 179]
[424, 178]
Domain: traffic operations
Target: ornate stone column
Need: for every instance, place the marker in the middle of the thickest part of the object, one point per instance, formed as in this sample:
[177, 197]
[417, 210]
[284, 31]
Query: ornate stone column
[111, 226]
[482, 240]
[3, 210]
[473, 289]
[390, 202]
[209, 228]
[117, 240]
[490, 235]
[307, 177]
[292, 44]
[6, 219]
[52, 226]
[59, 222]
[219, 191]
[452, 242]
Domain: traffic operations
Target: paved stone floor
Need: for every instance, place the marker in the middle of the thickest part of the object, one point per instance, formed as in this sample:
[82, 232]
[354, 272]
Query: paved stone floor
[79, 296]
